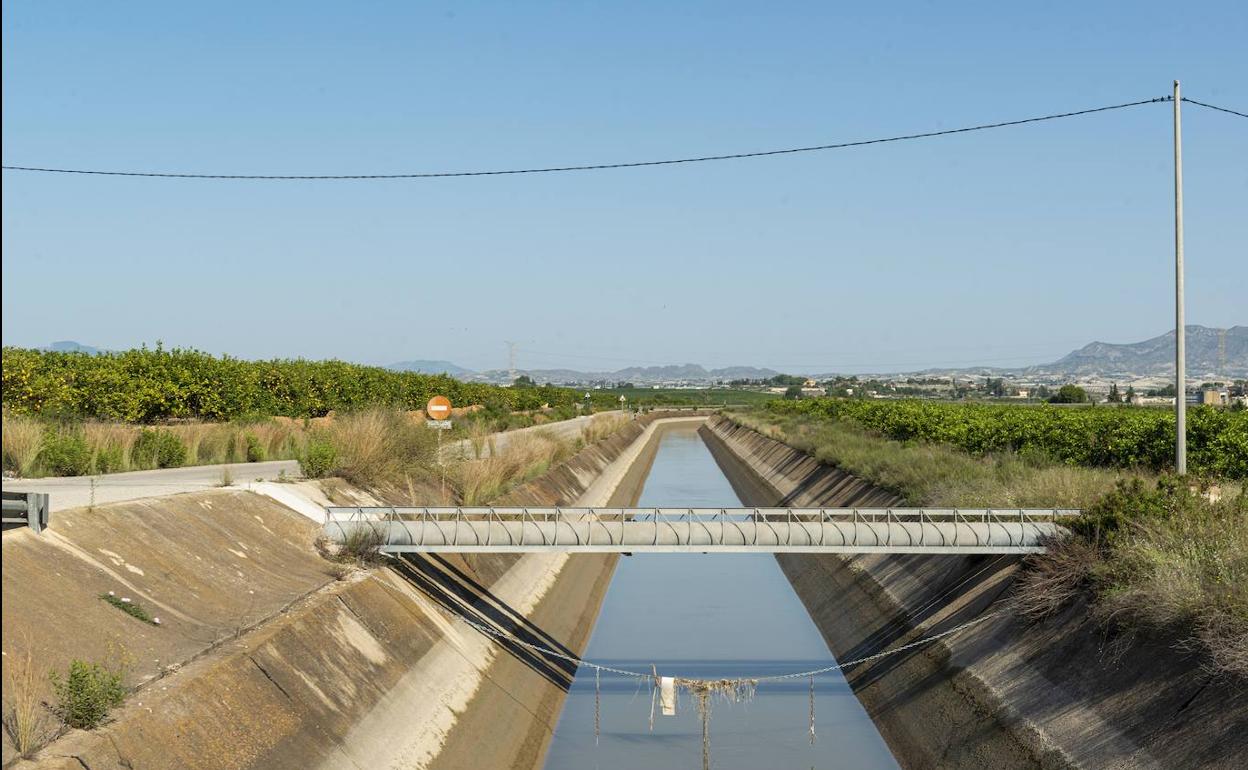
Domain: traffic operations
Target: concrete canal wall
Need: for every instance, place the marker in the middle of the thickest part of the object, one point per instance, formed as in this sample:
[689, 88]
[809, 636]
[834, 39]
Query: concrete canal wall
[263, 660]
[1004, 693]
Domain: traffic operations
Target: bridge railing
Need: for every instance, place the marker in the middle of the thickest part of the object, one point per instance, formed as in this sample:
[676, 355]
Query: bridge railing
[776, 529]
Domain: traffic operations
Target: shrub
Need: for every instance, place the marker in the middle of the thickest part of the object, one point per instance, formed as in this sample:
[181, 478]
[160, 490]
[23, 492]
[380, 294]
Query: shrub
[65, 453]
[158, 449]
[319, 458]
[255, 451]
[86, 693]
[1133, 501]
[110, 459]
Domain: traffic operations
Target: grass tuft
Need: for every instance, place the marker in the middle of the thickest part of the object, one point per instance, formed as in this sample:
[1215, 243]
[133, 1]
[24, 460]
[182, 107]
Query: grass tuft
[22, 442]
[24, 714]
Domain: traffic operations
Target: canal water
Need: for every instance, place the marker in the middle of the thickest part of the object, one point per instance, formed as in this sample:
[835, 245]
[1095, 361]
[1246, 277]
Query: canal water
[708, 616]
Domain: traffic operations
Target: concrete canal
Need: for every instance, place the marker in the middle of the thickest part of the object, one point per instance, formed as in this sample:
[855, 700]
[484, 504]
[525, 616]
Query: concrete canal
[703, 616]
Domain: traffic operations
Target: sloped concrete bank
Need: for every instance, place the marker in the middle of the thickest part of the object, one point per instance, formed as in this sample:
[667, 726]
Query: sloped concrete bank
[376, 671]
[1003, 693]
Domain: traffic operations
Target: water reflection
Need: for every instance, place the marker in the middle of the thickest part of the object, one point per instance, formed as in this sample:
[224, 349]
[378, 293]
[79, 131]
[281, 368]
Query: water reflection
[721, 616]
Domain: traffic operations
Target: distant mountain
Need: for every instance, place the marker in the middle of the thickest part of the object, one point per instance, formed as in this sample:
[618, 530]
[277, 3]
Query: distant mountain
[69, 346]
[639, 375]
[1209, 353]
[432, 367]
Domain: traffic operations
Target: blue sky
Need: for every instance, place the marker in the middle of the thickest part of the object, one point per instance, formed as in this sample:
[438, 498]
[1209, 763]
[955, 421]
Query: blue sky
[1005, 247]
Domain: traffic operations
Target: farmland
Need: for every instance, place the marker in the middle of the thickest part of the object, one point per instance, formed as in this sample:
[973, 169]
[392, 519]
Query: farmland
[1122, 437]
[147, 386]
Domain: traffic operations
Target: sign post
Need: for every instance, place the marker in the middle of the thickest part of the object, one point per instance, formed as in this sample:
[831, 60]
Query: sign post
[438, 417]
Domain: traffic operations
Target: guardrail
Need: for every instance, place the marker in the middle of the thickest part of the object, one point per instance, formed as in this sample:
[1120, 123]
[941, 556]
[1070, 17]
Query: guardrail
[26, 509]
[772, 530]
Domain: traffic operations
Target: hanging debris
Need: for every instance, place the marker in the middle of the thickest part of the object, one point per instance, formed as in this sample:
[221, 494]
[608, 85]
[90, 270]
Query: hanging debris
[812, 709]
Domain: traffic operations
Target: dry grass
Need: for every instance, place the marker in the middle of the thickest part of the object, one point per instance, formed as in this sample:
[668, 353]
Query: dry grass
[602, 426]
[481, 438]
[525, 457]
[25, 718]
[193, 436]
[1188, 570]
[22, 440]
[1054, 579]
[932, 474]
[379, 446]
[1152, 553]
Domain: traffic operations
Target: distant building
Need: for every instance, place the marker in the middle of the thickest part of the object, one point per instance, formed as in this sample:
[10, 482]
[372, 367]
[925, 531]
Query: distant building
[1153, 400]
[1215, 397]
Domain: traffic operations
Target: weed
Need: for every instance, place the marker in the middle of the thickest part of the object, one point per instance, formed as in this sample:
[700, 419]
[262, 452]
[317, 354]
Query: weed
[340, 571]
[131, 608]
[22, 440]
[362, 545]
[86, 693]
[24, 717]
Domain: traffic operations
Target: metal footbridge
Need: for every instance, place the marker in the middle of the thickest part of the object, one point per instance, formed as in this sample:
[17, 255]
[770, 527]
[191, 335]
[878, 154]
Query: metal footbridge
[699, 530]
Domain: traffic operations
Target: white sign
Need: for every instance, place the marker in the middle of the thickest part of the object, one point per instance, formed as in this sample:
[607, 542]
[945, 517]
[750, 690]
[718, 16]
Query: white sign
[439, 424]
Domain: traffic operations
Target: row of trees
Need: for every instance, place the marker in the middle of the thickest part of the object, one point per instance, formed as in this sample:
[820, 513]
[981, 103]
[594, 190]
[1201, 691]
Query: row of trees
[154, 385]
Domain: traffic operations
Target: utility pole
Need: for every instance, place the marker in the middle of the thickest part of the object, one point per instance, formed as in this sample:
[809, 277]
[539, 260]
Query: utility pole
[511, 361]
[1180, 329]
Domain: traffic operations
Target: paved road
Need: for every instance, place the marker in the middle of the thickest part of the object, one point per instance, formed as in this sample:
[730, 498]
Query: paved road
[76, 491]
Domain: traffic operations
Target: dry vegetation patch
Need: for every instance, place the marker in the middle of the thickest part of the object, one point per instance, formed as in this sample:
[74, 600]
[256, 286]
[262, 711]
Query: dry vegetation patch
[1150, 552]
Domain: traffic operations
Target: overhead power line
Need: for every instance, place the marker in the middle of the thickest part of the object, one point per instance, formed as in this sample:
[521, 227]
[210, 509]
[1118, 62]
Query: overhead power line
[601, 166]
[1213, 107]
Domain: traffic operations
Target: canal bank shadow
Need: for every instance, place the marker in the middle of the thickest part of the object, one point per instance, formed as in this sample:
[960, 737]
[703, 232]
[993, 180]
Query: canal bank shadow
[458, 593]
[974, 593]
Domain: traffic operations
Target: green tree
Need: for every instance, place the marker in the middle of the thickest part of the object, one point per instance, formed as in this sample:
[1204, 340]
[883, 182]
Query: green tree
[1069, 394]
[1114, 396]
[524, 381]
[793, 392]
[1131, 394]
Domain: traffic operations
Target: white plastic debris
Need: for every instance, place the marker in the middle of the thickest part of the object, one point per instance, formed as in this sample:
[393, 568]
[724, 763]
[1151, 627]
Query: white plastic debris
[110, 593]
[156, 621]
[667, 695]
[125, 600]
